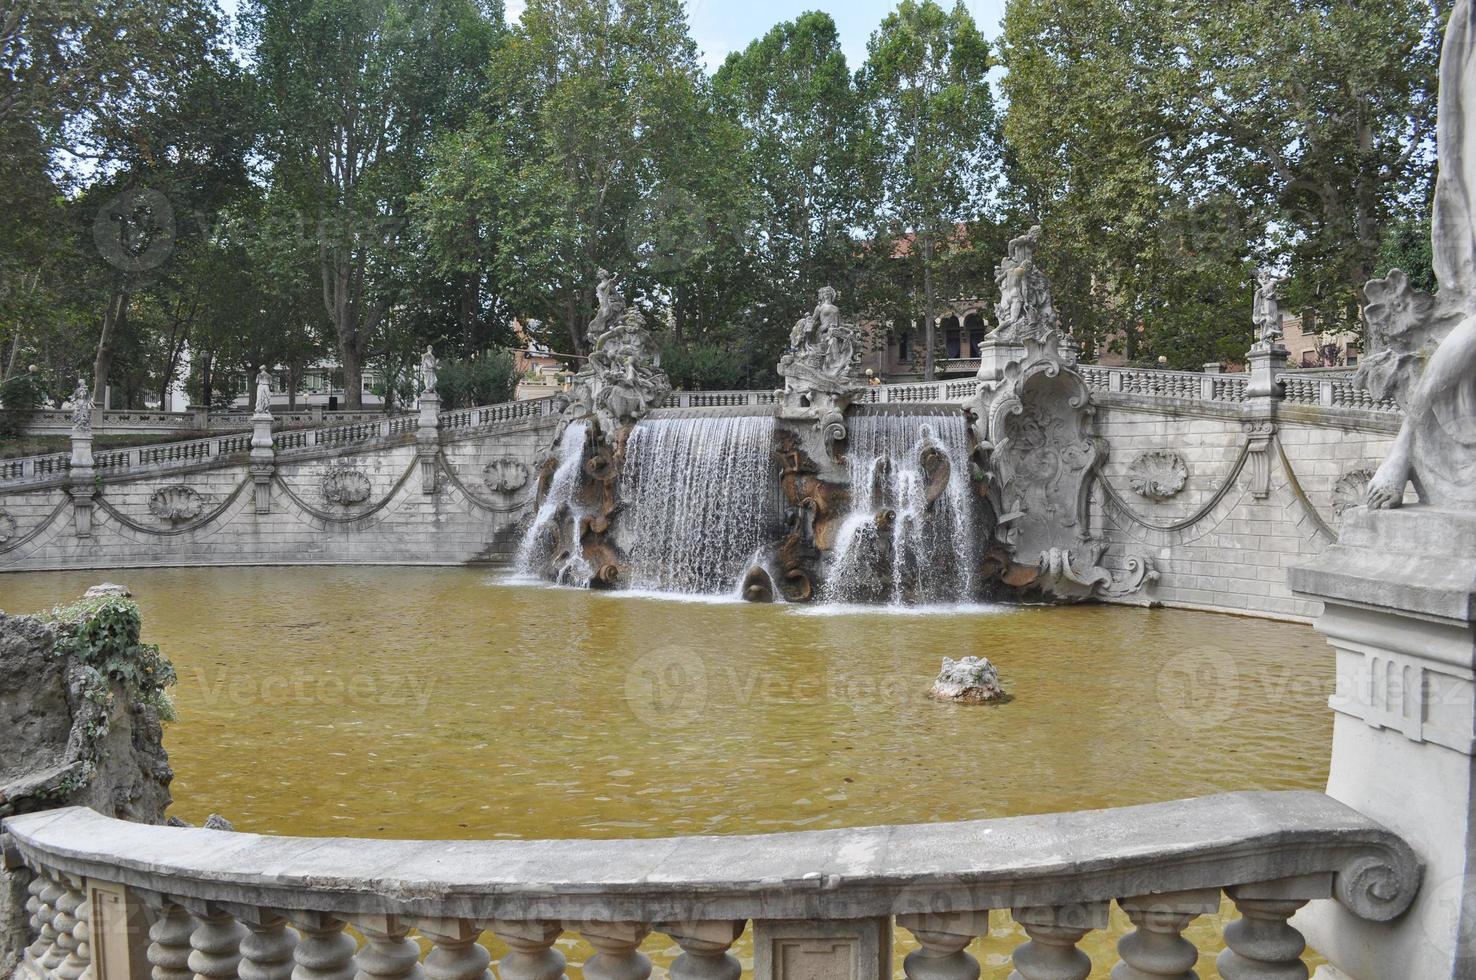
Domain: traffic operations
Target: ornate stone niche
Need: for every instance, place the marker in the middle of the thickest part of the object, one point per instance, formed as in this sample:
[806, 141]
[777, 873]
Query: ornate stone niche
[346, 486]
[505, 475]
[7, 526]
[1158, 475]
[1351, 490]
[177, 503]
[1033, 430]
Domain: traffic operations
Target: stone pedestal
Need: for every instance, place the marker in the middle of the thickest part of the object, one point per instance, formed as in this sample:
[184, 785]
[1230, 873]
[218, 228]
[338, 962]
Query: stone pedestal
[994, 354]
[1399, 590]
[81, 485]
[428, 439]
[1214, 367]
[263, 460]
[1267, 364]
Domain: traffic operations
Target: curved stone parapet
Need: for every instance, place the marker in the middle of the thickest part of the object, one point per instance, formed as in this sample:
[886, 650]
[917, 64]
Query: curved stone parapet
[1299, 846]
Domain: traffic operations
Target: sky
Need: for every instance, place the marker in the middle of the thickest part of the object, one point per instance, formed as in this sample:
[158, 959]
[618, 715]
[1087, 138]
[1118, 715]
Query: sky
[724, 26]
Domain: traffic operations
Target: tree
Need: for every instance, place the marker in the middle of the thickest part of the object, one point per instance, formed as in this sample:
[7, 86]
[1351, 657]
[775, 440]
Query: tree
[932, 115]
[354, 92]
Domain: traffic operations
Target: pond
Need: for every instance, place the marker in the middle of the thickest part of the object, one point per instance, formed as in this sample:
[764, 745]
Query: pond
[460, 703]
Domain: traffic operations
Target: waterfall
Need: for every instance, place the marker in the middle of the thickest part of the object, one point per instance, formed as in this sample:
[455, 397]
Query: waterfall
[699, 499]
[892, 547]
[535, 552]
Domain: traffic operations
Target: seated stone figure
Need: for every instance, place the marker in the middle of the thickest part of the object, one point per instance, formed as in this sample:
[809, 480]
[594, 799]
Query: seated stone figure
[1425, 347]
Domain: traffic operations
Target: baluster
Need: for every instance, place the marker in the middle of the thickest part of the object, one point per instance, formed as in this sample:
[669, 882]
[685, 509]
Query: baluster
[44, 893]
[531, 955]
[324, 951]
[704, 946]
[457, 955]
[1156, 947]
[79, 958]
[266, 948]
[388, 953]
[616, 954]
[1262, 945]
[64, 921]
[943, 936]
[1054, 931]
[215, 943]
[169, 945]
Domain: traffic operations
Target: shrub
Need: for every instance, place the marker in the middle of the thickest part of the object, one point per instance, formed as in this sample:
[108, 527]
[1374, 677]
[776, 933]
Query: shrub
[103, 635]
[21, 396]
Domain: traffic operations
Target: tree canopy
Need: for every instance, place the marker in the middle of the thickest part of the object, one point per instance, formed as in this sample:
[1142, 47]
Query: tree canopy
[344, 181]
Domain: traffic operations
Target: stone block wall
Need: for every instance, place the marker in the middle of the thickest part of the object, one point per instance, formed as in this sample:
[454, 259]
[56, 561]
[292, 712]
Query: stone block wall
[1225, 540]
[383, 517]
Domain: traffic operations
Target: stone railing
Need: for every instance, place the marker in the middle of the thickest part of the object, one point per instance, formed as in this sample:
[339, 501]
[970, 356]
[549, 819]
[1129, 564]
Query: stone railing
[114, 898]
[145, 422]
[1332, 392]
[377, 428]
[1187, 385]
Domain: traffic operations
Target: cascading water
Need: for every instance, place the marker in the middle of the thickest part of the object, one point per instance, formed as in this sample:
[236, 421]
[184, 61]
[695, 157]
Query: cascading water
[895, 546]
[536, 553]
[699, 501]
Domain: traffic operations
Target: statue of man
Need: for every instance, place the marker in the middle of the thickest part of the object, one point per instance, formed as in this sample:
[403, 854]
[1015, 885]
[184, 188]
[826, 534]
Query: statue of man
[82, 406]
[263, 391]
[428, 367]
[1267, 309]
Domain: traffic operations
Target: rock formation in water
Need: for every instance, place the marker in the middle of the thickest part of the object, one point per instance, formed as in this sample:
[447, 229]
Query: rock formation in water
[972, 680]
[72, 737]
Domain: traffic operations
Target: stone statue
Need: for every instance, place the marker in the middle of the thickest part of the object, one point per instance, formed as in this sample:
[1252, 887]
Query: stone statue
[1424, 347]
[1267, 310]
[263, 391]
[82, 406]
[1025, 307]
[622, 380]
[819, 370]
[428, 367]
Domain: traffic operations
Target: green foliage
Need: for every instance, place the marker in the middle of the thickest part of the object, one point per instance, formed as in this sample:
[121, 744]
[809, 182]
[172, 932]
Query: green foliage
[483, 379]
[103, 634]
[20, 396]
[1407, 246]
[705, 366]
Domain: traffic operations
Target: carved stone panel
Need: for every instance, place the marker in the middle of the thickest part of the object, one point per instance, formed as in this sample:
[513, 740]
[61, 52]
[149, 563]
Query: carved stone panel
[176, 503]
[505, 475]
[1158, 475]
[346, 486]
[844, 949]
[7, 526]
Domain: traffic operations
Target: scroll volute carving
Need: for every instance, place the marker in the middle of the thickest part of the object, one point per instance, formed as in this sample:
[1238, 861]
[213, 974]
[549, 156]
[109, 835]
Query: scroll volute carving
[598, 501]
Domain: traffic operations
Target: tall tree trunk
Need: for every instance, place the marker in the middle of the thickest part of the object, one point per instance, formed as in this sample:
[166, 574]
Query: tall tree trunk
[930, 320]
[206, 394]
[115, 319]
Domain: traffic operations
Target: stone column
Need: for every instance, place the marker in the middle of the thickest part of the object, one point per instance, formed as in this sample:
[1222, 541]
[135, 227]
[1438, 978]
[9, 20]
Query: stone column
[81, 475]
[263, 459]
[1399, 595]
[428, 439]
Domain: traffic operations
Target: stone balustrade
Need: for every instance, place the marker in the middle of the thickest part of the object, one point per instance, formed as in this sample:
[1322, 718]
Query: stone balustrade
[145, 422]
[114, 899]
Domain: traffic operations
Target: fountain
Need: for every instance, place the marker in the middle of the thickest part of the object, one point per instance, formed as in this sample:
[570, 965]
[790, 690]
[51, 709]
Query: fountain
[815, 497]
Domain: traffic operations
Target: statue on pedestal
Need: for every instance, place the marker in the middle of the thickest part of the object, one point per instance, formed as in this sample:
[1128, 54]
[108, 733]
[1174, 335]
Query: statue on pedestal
[263, 391]
[622, 380]
[1267, 308]
[1025, 308]
[82, 407]
[1423, 347]
[819, 370]
[428, 367]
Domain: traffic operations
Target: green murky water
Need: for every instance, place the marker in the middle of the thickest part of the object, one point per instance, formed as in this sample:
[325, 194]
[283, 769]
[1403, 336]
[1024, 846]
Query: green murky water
[452, 703]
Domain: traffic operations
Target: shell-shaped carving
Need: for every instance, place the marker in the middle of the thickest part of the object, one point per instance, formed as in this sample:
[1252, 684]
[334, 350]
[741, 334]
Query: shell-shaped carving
[176, 503]
[346, 486]
[505, 475]
[1350, 490]
[7, 526]
[1158, 475]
